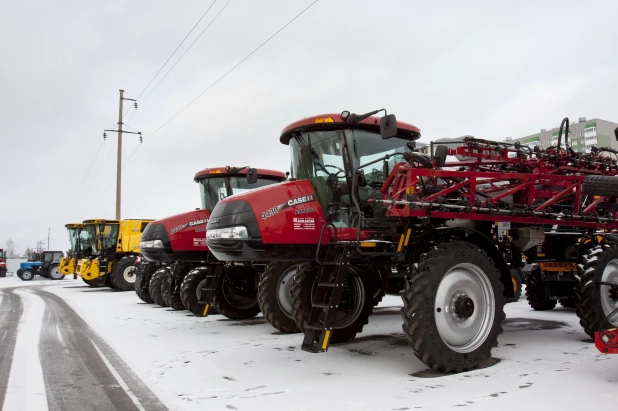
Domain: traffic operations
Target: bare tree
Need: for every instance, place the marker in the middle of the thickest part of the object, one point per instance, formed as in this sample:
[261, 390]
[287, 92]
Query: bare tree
[29, 251]
[10, 248]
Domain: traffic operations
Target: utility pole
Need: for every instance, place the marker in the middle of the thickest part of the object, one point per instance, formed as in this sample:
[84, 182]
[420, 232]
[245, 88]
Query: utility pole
[48, 232]
[119, 158]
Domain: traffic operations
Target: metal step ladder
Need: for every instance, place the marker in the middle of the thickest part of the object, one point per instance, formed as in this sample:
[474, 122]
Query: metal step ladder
[208, 290]
[331, 280]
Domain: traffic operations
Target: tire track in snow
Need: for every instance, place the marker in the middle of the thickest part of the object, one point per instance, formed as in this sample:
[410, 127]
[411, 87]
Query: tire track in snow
[11, 310]
[81, 371]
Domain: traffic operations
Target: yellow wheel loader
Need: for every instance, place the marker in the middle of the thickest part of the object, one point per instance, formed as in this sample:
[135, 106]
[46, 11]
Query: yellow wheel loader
[115, 248]
[80, 248]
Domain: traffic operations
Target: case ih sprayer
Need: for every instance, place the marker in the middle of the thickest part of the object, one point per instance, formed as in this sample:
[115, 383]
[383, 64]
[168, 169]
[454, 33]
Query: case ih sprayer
[178, 243]
[361, 198]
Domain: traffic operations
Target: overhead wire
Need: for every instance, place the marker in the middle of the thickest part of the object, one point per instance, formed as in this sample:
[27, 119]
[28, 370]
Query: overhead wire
[221, 78]
[88, 172]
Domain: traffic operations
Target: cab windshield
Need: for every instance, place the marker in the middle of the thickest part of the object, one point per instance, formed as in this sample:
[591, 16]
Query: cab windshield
[79, 240]
[103, 237]
[213, 189]
[318, 156]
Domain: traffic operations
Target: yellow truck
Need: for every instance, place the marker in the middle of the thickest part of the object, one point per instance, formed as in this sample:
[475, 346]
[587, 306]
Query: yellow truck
[115, 248]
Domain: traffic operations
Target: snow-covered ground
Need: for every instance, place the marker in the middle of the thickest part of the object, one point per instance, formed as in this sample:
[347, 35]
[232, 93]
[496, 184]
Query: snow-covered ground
[546, 360]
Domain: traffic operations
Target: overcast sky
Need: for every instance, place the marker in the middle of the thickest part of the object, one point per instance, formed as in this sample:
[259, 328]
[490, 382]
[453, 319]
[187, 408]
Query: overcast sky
[490, 69]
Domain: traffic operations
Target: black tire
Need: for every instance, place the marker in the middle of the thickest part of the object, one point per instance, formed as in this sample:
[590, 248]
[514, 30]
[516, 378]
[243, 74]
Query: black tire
[535, 293]
[275, 298]
[517, 283]
[357, 295]
[379, 276]
[54, 273]
[426, 324]
[27, 275]
[19, 271]
[155, 286]
[123, 274]
[606, 186]
[2, 273]
[142, 281]
[567, 302]
[395, 285]
[590, 297]
[97, 282]
[190, 290]
[236, 295]
[171, 298]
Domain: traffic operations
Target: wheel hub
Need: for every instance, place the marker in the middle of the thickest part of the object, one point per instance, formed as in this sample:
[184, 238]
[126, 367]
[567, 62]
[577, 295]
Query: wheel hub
[609, 295]
[464, 307]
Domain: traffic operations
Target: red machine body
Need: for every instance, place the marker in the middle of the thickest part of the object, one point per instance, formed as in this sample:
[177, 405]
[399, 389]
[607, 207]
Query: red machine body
[607, 341]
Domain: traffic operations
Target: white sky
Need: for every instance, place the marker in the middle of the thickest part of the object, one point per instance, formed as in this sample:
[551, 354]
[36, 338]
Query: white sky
[486, 68]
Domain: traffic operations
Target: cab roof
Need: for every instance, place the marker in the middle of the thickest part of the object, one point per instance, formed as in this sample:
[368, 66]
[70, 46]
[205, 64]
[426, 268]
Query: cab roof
[240, 171]
[335, 121]
[75, 225]
[105, 221]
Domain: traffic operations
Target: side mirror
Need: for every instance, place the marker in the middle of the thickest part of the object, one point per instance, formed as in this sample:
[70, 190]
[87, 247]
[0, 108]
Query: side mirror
[360, 178]
[440, 155]
[616, 133]
[252, 176]
[388, 126]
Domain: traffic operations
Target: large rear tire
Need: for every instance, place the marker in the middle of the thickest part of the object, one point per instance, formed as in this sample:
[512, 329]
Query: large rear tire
[594, 302]
[123, 274]
[236, 295]
[142, 282]
[535, 294]
[54, 273]
[354, 310]
[191, 289]
[169, 295]
[454, 307]
[155, 286]
[275, 298]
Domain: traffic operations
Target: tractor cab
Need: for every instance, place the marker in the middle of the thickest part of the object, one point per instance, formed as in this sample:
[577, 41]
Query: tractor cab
[81, 247]
[339, 163]
[103, 235]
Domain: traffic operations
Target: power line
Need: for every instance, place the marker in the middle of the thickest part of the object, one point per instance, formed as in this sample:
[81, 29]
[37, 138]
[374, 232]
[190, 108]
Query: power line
[172, 55]
[88, 172]
[185, 52]
[223, 76]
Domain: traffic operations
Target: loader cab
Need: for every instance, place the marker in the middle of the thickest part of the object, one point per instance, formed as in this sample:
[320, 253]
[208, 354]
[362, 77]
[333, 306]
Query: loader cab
[79, 239]
[222, 182]
[329, 150]
[103, 235]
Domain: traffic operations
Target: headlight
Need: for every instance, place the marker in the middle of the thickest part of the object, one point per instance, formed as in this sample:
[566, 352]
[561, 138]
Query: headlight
[151, 244]
[229, 232]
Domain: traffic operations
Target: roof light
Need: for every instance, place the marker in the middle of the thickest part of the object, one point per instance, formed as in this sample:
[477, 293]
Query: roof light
[324, 120]
[345, 115]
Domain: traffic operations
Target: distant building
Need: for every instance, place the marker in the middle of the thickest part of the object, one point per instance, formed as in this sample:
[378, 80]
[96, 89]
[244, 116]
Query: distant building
[582, 135]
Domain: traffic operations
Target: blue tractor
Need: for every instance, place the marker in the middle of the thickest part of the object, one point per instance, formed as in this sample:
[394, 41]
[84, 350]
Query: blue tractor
[44, 264]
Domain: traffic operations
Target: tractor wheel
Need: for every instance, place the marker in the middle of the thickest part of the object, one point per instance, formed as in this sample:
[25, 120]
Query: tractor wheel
[567, 302]
[155, 286]
[27, 275]
[379, 283]
[142, 281]
[516, 280]
[168, 295]
[606, 186]
[96, 282]
[191, 290]
[354, 310]
[594, 302]
[395, 285]
[2, 273]
[535, 294]
[454, 307]
[274, 295]
[236, 295]
[19, 271]
[55, 274]
[123, 274]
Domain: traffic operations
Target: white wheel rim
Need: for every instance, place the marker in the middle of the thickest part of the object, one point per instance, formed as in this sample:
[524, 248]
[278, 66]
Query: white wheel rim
[609, 303]
[129, 274]
[464, 308]
[27, 275]
[284, 296]
[55, 273]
